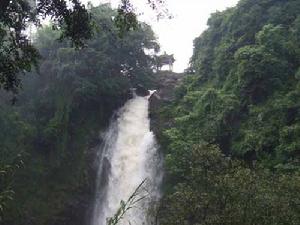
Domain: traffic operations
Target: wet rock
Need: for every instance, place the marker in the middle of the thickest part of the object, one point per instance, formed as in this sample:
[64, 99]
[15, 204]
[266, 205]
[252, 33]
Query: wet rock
[166, 84]
[141, 91]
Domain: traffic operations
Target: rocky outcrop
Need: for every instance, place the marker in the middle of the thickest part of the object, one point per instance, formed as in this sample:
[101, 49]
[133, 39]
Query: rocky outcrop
[166, 83]
[140, 90]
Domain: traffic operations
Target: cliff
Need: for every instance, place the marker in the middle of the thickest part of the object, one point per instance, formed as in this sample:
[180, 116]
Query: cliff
[166, 83]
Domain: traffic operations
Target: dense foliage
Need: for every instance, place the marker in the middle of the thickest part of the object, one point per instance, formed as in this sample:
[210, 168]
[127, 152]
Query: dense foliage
[74, 19]
[232, 149]
[17, 53]
[46, 137]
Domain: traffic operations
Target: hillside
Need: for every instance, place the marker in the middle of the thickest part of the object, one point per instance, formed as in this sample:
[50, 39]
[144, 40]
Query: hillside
[231, 136]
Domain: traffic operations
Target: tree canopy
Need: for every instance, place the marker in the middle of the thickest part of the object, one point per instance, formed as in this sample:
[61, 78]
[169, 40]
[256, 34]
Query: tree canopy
[74, 20]
[17, 54]
[230, 139]
[58, 115]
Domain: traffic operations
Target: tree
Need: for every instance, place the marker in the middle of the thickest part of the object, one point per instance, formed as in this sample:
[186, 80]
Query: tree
[230, 136]
[220, 190]
[18, 55]
[60, 111]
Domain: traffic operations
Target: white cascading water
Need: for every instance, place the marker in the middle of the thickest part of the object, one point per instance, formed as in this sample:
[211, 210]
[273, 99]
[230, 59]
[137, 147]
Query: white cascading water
[127, 157]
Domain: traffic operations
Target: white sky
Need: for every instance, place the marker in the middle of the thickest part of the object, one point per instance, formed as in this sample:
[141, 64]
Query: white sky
[176, 35]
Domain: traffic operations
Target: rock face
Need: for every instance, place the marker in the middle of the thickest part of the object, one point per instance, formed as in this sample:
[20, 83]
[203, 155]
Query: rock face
[166, 84]
[141, 91]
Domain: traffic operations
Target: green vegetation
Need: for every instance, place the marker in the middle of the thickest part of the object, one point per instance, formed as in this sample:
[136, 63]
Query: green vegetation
[232, 149]
[230, 138]
[17, 53]
[74, 20]
[47, 135]
[137, 196]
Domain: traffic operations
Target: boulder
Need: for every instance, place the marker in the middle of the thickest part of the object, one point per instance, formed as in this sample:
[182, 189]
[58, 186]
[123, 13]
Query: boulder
[141, 91]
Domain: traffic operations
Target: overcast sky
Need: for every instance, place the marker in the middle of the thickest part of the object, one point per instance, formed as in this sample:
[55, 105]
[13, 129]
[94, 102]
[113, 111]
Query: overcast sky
[176, 35]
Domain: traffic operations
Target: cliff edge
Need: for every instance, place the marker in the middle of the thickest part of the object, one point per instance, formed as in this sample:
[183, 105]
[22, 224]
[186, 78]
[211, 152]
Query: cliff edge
[166, 82]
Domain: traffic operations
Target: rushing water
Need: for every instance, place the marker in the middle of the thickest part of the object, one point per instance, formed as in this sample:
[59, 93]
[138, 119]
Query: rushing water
[127, 157]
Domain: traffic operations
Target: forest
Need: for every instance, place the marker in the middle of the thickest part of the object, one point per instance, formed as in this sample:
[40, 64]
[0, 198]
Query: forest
[229, 139]
[232, 149]
[46, 135]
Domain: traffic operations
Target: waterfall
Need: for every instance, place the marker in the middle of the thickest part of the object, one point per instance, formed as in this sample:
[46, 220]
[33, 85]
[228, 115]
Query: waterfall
[127, 157]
